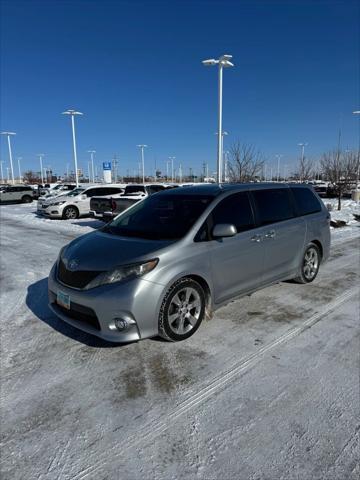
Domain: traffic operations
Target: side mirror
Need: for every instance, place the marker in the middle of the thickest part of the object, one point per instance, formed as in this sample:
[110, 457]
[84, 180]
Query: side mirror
[224, 230]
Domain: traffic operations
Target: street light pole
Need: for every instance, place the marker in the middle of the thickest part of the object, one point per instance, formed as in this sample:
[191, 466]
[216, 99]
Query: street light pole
[302, 145]
[142, 161]
[19, 158]
[2, 173]
[172, 167]
[278, 166]
[72, 113]
[222, 62]
[357, 112]
[40, 155]
[9, 134]
[92, 152]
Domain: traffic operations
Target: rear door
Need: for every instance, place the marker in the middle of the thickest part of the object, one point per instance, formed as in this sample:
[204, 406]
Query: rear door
[237, 262]
[282, 233]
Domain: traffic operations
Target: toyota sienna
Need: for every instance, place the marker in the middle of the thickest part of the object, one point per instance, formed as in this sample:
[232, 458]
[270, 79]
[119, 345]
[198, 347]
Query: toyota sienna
[167, 262]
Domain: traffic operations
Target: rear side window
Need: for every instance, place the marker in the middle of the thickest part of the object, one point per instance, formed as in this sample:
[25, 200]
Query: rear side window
[306, 201]
[235, 209]
[273, 205]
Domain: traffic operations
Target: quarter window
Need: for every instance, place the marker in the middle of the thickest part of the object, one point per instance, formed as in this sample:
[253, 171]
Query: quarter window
[306, 201]
[273, 205]
[235, 209]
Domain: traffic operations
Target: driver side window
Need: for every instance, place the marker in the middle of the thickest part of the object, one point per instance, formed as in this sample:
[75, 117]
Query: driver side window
[235, 209]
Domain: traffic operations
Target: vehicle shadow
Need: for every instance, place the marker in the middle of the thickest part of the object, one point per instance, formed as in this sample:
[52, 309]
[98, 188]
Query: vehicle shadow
[95, 224]
[37, 301]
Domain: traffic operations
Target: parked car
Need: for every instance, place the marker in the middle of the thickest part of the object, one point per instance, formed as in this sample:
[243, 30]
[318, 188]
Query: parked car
[106, 208]
[75, 203]
[56, 189]
[16, 193]
[47, 194]
[165, 263]
[321, 188]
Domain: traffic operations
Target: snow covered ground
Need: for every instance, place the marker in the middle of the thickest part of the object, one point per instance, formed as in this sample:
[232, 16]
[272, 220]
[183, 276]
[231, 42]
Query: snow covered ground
[268, 389]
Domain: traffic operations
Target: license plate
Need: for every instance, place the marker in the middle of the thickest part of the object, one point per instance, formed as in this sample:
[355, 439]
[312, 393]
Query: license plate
[63, 300]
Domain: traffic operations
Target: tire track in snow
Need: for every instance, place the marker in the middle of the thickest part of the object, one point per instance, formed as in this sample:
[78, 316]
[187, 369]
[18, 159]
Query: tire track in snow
[158, 426]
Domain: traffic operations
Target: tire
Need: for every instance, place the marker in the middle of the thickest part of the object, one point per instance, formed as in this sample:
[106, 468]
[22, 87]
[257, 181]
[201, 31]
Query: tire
[310, 264]
[176, 321]
[26, 199]
[70, 213]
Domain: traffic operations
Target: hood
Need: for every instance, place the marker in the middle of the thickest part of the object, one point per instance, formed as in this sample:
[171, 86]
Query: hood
[102, 251]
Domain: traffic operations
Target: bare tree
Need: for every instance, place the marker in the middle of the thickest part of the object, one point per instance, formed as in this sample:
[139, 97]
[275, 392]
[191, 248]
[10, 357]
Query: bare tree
[245, 163]
[31, 177]
[305, 170]
[341, 170]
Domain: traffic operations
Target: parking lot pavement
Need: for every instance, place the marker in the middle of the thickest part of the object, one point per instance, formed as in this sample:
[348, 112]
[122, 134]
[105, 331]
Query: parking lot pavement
[267, 389]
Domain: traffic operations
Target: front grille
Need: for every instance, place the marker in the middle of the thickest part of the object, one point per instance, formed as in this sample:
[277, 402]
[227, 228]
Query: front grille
[77, 278]
[81, 314]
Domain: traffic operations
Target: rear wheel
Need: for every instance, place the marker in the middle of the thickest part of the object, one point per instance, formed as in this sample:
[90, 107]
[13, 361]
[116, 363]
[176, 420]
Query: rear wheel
[70, 213]
[26, 199]
[182, 310]
[310, 264]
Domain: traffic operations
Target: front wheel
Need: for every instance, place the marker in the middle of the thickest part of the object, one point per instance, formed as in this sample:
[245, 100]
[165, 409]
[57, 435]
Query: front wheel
[71, 213]
[182, 310]
[310, 264]
[26, 199]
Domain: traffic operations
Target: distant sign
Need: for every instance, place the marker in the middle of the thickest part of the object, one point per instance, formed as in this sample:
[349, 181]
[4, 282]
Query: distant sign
[106, 165]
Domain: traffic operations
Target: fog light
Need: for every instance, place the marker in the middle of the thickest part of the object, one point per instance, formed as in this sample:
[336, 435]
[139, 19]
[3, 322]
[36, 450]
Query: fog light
[121, 324]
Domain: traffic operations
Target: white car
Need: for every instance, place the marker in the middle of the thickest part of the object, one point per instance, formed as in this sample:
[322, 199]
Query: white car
[75, 203]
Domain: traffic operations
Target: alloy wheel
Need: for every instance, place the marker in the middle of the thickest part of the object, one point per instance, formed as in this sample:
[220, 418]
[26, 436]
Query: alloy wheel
[184, 311]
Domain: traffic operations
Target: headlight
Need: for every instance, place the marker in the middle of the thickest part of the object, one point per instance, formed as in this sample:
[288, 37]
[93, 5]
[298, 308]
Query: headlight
[122, 273]
[57, 203]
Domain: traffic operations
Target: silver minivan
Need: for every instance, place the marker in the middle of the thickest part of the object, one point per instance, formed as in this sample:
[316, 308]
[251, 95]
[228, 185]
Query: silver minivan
[166, 263]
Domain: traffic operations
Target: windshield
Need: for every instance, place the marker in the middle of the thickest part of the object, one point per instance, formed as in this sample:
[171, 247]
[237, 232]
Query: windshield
[75, 192]
[160, 217]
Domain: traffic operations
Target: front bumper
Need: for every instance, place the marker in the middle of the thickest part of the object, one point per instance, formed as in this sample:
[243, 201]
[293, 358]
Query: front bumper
[137, 300]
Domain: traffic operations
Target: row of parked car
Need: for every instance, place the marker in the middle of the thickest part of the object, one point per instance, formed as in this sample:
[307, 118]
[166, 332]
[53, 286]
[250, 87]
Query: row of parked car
[103, 202]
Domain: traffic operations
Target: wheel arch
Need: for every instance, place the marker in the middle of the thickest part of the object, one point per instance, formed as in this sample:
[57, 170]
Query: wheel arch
[71, 206]
[319, 245]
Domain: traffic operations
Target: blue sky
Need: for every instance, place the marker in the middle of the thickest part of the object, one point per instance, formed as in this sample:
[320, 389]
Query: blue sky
[134, 69]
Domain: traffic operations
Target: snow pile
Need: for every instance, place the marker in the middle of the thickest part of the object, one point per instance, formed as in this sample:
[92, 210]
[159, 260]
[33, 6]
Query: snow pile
[27, 213]
[348, 208]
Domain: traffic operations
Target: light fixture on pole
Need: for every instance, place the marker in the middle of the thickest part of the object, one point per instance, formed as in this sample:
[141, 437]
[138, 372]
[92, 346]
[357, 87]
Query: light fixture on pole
[92, 152]
[41, 155]
[302, 145]
[19, 158]
[9, 134]
[142, 161]
[222, 62]
[172, 167]
[278, 166]
[72, 113]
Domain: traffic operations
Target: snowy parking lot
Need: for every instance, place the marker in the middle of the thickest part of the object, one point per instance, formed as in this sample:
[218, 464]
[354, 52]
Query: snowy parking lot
[267, 389]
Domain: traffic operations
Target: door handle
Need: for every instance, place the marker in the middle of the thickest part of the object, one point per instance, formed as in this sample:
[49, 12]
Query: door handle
[256, 238]
[270, 234]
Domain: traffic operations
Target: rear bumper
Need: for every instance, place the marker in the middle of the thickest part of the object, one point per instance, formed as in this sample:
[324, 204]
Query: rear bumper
[97, 215]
